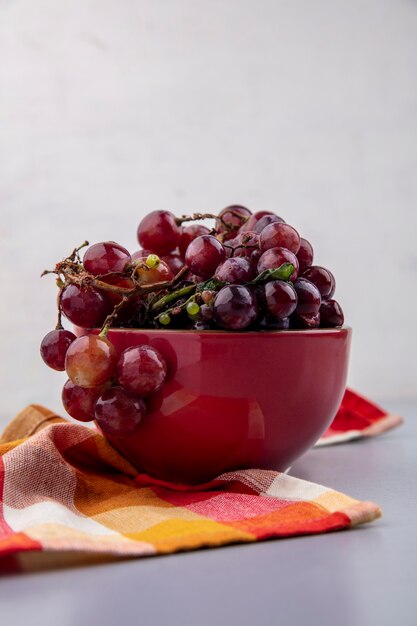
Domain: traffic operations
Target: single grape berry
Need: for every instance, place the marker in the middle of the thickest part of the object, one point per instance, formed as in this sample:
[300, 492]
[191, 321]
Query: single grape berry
[323, 279]
[105, 258]
[159, 232]
[305, 255]
[84, 306]
[118, 413]
[204, 255]
[280, 299]
[309, 299]
[141, 370]
[254, 219]
[231, 219]
[188, 234]
[279, 235]
[235, 307]
[164, 319]
[152, 275]
[265, 221]
[90, 361]
[79, 402]
[192, 308]
[275, 257]
[206, 313]
[236, 270]
[54, 347]
[174, 262]
[331, 314]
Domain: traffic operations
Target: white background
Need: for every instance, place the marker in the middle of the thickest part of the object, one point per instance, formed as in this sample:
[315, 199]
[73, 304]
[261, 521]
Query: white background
[112, 108]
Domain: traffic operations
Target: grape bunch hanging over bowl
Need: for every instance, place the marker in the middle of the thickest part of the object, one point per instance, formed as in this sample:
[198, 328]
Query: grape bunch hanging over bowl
[243, 272]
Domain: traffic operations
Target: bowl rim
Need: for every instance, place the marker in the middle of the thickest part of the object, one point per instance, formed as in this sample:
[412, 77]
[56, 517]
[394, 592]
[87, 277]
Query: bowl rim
[343, 330]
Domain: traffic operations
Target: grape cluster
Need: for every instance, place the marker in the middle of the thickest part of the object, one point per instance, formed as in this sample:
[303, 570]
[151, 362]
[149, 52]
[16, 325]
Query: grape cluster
[250, 271]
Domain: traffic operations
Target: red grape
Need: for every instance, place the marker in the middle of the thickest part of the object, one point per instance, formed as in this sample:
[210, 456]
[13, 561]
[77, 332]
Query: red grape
[90, 361]
[250, 241]
[188, 234]
[265, 221]
[254, 219]
[119, 413]
[307, 322]
[84, 306]
[159, 232]
[141, 254]
[323, 279]
[79, 401]
[331, 314]
[235, 307]
[54, 347]
[280, 299]
[141, 370]
[204, 255]
[279, 235]
[174, 262]
[235, 270]
[275, 257]
[309, 299]
[105, 258]
[232, 218]
[305, 254]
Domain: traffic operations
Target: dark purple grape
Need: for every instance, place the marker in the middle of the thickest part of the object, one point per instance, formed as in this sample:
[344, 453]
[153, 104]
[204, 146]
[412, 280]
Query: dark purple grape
[331, 314]
[141, 370]
[234, 217]
[79, 402]
[275, 257]
[105, 258]
[119, 413]
[204, 255]
[84, 306]
[323, 279]
[280, 299]
[305, 321]
[159, 232]
[309, 299]
[305, 255]
[265, 221]
[54, 348]
[206, 312]
[279, 235]
[235, 270]
[235, 307]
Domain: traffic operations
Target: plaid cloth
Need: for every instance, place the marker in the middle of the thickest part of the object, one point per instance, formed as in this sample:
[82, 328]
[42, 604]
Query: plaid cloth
[65, 490]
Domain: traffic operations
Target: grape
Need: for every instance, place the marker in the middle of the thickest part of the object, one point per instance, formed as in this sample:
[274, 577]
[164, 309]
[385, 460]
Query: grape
[188, 234]
[254, 219]
[192, 309]
[230, 247]
[174, 262]
[141, 254]
[116, 281]
[234, 217]
[159, 232]
[90, 361]
[84, 306]
[265, 221]
[307, 322]
[279, 235]
[235, 307]
[331, 314]
[105, 258]
[119, 413]
[280, 299]
[132, 307]
[275, 257]
[79, 401]
[309, 298]
[148, 276]
[235, 270]
[54, 347]
[204, 255]
[305, 254]
[323, 279]
[250, 241]
[206, 313]
[141, 370]
[164, 319]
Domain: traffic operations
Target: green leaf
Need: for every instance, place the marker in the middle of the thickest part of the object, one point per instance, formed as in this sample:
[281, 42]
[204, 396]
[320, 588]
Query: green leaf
[283, 272]
[212, 285]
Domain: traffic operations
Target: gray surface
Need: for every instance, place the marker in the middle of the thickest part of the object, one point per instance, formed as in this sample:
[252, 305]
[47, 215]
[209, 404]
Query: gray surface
[364, 576]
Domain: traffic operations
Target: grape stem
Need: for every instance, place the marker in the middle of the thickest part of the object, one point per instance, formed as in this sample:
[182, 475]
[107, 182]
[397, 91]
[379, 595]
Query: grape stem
[173, 296]
[110, 318]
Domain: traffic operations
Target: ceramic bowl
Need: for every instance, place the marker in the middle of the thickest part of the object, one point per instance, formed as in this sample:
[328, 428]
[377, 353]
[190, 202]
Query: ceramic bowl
[235, 400]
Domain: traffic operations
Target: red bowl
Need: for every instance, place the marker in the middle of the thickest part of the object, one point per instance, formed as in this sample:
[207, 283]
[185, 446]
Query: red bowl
[235, 400]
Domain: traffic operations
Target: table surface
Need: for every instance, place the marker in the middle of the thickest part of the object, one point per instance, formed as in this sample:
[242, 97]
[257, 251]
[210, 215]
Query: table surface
[362, 576]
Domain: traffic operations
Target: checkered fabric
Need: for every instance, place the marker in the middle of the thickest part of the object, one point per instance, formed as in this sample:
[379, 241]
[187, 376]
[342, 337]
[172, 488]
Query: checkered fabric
[65, 491]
